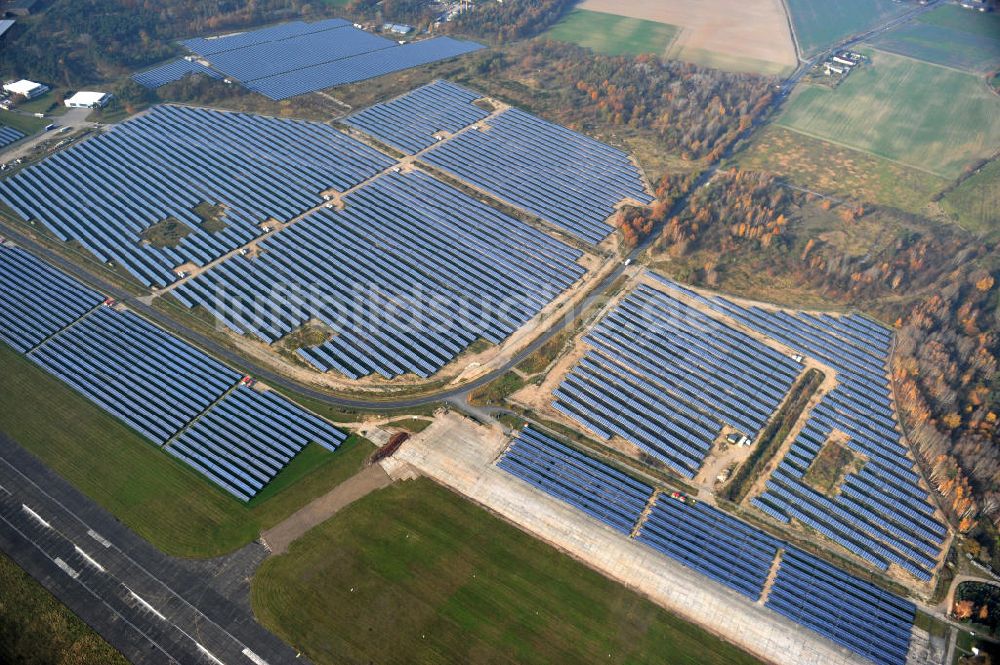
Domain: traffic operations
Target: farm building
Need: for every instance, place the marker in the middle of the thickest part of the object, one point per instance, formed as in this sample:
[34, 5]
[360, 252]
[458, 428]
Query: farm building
[88, 100]
[26, 88]
[397, 28]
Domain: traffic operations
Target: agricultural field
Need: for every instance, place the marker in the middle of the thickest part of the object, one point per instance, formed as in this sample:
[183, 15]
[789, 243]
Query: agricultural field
[614, 35]
[750, 36]
[819, 25]
[413, 573]
[36, 629]
[904, 110]
[975, 203]
[161, 499]
[840, 171]
[949, 36]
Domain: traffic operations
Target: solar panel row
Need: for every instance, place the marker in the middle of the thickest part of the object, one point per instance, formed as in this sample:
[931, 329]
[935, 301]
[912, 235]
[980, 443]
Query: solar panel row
[135, 371]
[595, 488]
[25, 280]
[107, 191]
[171, 71]
[8, 135]
[566, 178]
[152, 381]
[409, 123]
[849, 611]
[242, 459]
[407, 275]
[853, 613]
[880, 513]
[361, 67]
[667, 378]
[295, 58]
[721, 547]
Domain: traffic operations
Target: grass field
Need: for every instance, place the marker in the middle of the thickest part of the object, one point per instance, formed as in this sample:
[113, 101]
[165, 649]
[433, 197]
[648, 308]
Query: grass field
[950, 36]
[161, 499]
[840, 171]
[975, 203]
[613, 35]
[819, 25]
[36, 629]
[904, 110]
[26, 124]
[415, 574]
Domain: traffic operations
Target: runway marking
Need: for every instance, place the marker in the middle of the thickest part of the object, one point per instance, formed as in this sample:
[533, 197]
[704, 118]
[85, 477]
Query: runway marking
[208, 653]
[254, 657]
[143, 602]
[98, 537]
[66, 568]
[89, 559]
[36, 516]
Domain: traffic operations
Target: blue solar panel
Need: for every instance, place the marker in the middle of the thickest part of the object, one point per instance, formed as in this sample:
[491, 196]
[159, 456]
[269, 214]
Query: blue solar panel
[36, 300]
[295, 58]
[410, 122]
[881, 513]
[135, 371]
[565, 178]
[410, 273]
[248, 437]
[9, 135]
[599, 490]
[107, 191]
[171, 71]
[851, 612]
[667, 378]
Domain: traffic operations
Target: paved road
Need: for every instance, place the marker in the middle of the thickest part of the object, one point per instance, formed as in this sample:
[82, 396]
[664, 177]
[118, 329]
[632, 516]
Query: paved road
[152, 608]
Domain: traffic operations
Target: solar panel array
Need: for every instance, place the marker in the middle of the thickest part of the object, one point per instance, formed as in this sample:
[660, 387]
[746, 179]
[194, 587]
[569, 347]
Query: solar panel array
[407, 275]
[25, 280]
[667, 377]
[171, 71]
[408, 123]
[162, 387]
[135, 371]
[105, 192]
[295, 58]
[721, 547]
[880, 513]
[566, 178]
[597, 489]
[8, 135]
[854, 613]
[247, 438]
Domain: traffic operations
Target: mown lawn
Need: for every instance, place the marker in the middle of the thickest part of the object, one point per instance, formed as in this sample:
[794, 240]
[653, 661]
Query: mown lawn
[36, 629]
[613, 35]
[904, 110]
[415, 574]
[164, 501]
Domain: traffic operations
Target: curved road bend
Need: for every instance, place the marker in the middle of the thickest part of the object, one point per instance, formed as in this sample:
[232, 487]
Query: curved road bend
[454, 394]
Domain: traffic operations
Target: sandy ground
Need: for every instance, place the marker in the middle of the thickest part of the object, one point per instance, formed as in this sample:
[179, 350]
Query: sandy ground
[734, 29]
[371, 478]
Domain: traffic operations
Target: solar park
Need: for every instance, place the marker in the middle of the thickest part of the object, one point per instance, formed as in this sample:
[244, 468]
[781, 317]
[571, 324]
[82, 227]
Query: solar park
[668, 378]
[170, 392]
[296, 58]
[9, 135]
[426, 246]
[805, 589]
[563, 177]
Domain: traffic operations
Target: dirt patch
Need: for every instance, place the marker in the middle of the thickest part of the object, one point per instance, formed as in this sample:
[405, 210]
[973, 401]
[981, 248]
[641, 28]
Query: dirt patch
[364, 482]
[739, 30]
